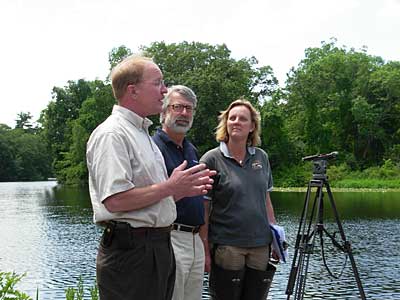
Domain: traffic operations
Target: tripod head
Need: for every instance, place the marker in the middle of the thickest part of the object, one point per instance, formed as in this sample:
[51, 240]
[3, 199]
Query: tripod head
[320, 163]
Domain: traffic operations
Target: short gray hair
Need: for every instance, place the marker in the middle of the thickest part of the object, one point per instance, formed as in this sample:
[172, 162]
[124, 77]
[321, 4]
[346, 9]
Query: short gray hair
[182, 90]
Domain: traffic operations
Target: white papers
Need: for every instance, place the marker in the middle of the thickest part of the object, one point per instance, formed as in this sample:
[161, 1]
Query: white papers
[279, 241]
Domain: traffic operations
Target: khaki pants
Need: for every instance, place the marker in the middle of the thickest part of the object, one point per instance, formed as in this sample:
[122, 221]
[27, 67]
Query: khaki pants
[236, 258]
[189, 256]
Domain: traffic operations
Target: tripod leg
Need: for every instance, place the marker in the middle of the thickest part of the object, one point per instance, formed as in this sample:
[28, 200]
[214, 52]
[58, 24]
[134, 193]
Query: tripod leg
[303, 247]
[347, 245]
[309, 246]
[300, 241]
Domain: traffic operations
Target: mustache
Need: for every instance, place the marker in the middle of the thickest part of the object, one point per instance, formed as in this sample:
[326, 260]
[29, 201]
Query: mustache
[182, 119]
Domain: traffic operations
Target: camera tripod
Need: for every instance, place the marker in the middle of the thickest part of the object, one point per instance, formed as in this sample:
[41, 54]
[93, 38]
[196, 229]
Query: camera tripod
[312, 225]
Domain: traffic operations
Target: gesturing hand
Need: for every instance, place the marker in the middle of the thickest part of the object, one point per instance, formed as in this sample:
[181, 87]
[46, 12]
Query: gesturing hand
[190, 182]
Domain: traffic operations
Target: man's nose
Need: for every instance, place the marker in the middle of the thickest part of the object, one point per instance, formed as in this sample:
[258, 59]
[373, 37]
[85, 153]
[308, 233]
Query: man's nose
[164, 89]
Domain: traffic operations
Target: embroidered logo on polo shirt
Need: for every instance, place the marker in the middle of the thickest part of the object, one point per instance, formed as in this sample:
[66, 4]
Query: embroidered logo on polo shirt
[256, 165]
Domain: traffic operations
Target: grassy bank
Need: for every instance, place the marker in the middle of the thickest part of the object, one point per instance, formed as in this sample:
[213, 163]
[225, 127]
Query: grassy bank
[340, 176]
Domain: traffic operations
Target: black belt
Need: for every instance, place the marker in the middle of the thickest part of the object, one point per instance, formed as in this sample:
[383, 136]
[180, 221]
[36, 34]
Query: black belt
[122, 235]
[186, 228]
[140, 230]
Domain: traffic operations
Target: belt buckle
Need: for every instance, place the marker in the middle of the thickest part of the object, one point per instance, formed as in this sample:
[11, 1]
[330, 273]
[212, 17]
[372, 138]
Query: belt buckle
[186, 228]
[195, 229]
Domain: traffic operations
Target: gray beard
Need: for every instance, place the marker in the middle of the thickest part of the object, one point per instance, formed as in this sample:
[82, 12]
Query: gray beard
[178, 128]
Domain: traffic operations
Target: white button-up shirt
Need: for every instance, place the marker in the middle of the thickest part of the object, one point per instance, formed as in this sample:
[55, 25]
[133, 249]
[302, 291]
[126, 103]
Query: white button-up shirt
[120, 156]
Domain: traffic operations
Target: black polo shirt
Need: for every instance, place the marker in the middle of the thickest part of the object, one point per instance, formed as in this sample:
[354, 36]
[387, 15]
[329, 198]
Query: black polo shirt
[190, 210]
[238, 199]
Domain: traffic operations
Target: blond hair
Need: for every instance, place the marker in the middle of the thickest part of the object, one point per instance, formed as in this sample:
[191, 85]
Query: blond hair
[221, 133]
[128, 71]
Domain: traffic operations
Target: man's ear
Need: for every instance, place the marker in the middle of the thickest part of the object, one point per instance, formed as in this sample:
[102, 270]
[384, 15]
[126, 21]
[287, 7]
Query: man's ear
[132, 91]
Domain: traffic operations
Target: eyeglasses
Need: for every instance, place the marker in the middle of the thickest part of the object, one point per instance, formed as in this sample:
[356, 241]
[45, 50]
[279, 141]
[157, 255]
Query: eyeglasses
[181, 107]
[158, 83]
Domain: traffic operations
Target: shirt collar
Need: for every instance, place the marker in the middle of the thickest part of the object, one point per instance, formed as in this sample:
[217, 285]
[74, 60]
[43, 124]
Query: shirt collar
[132, 117]
[164, 136]
[223, 147]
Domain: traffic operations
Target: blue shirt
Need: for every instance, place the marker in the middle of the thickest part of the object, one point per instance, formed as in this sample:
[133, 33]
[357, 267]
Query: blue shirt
[190, 210]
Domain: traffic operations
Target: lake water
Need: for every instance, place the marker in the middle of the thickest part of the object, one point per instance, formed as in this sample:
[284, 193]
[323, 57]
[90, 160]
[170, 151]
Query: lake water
[47, 233]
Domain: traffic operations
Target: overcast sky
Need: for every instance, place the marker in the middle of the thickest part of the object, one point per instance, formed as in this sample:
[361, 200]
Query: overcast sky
[45, 43]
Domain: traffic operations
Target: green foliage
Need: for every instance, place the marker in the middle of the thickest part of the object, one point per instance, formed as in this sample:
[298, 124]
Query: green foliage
[78, 293]
[8, 281]
[387, 171]
[75, 293]
[368, 183]
[274, 135]
[24, 155]
[23, 121]
[338, 172]
[8, 168]
[385, 176]
[57, 118]
[292, 176]
[117, 55]
[336, 99]
[393, 154]
[344, 100]
[71, 167]
[216, 78]
[341, 175]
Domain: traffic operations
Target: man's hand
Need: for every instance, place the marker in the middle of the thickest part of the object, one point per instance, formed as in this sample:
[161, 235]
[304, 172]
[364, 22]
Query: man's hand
[190, 182]
[275, 255]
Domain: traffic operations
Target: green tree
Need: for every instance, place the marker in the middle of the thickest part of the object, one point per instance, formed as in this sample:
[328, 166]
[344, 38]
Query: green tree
[216, 78]
[24, 156]
[117, 54]
[72, 167]
[345, 100]
[8, 170]
[383, 97]
[69, 119]
[57, 118]
[31, 157]
[23, 121]
[274, 135]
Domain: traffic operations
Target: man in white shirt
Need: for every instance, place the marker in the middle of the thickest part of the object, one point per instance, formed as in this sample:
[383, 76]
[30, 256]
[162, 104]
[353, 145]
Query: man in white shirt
[130, 190]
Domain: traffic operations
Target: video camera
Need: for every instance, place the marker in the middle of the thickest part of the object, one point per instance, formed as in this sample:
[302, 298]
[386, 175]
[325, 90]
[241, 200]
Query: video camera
[320, 163]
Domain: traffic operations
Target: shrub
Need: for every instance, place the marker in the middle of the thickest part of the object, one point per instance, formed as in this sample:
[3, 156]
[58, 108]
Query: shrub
[8, 280]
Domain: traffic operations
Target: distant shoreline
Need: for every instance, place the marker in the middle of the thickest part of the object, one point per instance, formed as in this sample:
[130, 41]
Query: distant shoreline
[304, 189]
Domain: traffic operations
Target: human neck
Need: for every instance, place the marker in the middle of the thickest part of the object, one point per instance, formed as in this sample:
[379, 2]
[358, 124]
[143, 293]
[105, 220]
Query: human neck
[174, 136]
[237, 150]
[132, 107]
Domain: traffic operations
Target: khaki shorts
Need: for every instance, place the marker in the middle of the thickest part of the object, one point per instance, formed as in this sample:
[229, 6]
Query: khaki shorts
[236, 258]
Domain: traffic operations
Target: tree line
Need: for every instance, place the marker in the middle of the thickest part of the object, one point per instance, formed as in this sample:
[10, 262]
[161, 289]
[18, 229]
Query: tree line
[335, 99]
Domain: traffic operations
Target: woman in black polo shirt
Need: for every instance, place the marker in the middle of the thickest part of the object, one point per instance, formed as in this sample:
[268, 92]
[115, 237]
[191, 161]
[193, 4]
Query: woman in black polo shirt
[240, 207]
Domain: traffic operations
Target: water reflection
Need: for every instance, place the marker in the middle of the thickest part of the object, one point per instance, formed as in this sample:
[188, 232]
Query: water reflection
[350, 205]
[47, 232]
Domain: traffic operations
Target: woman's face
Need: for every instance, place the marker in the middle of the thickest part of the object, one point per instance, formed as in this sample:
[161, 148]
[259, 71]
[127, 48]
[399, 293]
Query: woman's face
[239, 123]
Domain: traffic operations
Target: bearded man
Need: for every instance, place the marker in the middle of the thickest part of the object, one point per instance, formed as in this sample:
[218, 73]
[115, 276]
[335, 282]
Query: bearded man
[176, 119]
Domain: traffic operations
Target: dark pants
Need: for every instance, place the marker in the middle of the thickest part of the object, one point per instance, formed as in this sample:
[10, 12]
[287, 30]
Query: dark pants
[135, 264]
